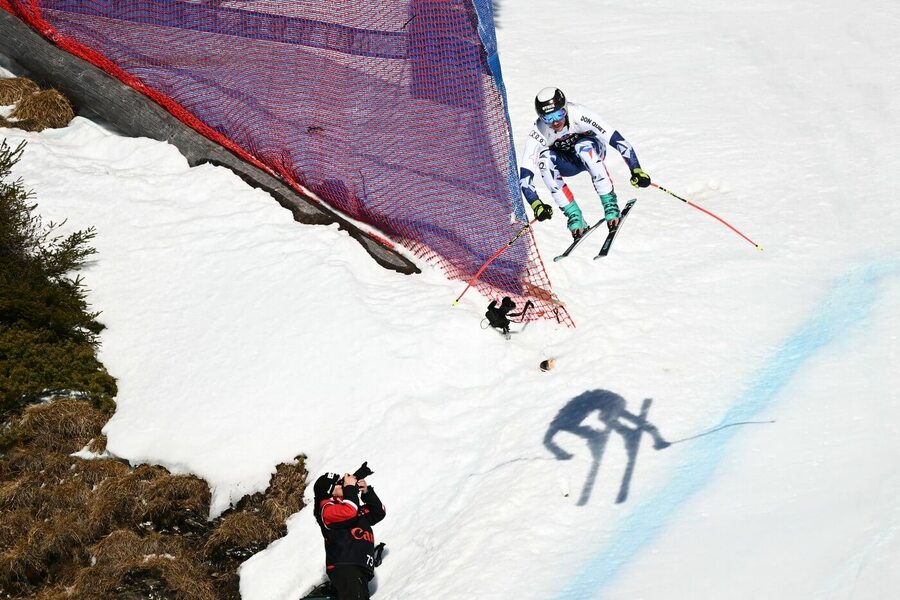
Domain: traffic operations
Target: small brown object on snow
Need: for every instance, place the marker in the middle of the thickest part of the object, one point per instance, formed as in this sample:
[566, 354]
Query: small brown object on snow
[546, 365]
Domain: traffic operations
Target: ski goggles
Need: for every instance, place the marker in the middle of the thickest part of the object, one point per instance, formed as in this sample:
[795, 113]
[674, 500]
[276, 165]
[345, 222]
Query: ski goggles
[555, 117]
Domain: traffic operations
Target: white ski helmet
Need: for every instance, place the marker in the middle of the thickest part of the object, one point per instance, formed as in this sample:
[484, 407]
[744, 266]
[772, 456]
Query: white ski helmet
[548, 100]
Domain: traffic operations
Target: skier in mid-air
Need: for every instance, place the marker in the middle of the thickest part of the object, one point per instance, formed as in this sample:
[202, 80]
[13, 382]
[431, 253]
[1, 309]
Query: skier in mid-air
[567, 139]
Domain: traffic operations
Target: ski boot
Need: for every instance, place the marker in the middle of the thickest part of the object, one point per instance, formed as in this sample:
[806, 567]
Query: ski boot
[576, 222]
[610, 209]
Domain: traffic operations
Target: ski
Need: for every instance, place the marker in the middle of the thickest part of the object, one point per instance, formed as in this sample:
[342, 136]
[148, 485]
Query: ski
[611, 236]
[575, 244]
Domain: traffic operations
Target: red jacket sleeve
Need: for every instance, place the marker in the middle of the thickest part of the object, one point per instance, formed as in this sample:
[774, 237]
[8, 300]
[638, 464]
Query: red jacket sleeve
[336, 512]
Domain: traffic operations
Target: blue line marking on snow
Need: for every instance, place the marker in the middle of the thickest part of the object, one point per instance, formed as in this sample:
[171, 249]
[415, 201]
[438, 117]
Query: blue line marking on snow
[849, 305]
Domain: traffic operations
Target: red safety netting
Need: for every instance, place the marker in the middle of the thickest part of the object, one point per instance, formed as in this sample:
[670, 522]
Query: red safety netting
[391, 112]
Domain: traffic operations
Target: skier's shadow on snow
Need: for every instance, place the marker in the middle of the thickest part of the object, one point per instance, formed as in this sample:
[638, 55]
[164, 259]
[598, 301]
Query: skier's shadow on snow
[576, 418]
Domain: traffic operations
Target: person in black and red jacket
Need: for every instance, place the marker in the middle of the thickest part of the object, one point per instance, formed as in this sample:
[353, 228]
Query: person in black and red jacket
[346, 510]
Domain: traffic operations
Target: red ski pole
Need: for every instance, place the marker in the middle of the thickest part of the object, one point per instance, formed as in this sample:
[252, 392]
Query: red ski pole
[714, 216]
[491, 259]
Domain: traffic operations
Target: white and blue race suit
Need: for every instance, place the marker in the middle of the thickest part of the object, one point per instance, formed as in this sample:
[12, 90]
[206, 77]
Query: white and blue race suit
[580, 146]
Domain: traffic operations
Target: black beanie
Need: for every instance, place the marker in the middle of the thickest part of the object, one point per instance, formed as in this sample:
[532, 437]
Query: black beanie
[325, 485]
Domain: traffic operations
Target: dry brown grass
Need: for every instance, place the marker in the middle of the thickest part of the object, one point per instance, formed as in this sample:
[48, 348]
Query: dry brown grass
[27, 492]
[44, 491]
[239, 535]
[57, 512]
[35, 461]
[118, 502]
[68, 495]
[177, 501]
[57, 592]
[24, 125]
[43, 109]
[44, 549]
[97, 445]
[127, 565]
[63, 425]
[14, 524]
[13, 577]
[283, 497]
[125, 544]
[96, 471]
[13, 89]
[149, 472]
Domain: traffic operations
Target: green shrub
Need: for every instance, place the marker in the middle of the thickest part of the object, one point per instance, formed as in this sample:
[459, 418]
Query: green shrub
[36, 286]
[48, 335]
[34, 362]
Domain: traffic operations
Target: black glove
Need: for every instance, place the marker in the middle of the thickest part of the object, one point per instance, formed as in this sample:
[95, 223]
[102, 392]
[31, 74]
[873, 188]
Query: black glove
[542, 211]
[378, 555]
[639, 178]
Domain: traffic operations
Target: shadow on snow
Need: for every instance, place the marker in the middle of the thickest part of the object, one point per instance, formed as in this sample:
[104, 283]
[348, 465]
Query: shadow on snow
[577, 417]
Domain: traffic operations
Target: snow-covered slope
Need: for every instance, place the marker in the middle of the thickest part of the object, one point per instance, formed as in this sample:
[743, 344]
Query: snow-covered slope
[242, 339]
